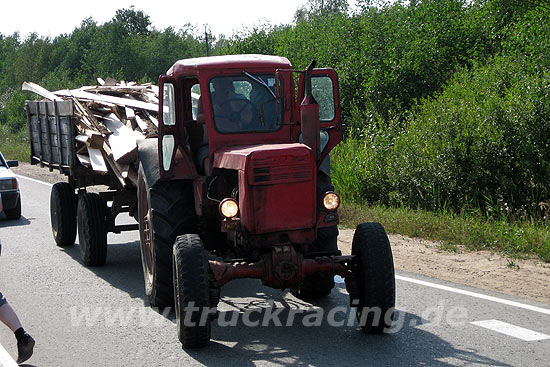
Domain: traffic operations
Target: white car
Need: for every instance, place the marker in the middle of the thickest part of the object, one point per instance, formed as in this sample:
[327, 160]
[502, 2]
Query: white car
[9, 189]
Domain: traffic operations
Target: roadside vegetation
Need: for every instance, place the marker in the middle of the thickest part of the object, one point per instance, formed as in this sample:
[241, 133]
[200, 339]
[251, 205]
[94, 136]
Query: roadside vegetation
[446, 104]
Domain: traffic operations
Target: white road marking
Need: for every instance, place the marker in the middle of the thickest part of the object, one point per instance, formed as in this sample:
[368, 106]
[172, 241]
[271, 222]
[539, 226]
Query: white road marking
[339, 279]
[33, 180]
[474, 294]
[511, 330]
[5, 359]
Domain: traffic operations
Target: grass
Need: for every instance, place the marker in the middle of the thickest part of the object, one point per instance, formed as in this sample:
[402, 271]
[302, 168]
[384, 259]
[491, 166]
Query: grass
[14, 146]
[515, 239]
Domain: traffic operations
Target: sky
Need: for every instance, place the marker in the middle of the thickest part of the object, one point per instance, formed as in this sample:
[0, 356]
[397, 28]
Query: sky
[52, 18]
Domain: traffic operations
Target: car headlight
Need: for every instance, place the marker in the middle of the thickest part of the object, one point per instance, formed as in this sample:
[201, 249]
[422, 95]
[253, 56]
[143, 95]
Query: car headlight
[9, 184]
[331, 201]
[229, 208]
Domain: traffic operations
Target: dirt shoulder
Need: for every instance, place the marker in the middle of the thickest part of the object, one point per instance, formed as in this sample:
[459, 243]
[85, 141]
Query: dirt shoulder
[483, 269]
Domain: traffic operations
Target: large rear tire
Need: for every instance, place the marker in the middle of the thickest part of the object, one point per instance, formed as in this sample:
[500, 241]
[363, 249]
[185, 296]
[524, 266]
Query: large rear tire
[165, 211]
[191, 291]
[372, 287]
[63, 203]
[92, 229]
[319, 285]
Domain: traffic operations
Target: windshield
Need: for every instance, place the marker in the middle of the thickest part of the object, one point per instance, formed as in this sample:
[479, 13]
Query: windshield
[242, 104]
[2, 161]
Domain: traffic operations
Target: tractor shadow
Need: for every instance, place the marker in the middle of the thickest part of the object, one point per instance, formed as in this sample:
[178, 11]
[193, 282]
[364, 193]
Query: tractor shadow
[308, 339]
[123, 267]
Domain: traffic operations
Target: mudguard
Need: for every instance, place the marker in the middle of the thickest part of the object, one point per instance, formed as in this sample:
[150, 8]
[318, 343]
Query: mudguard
[148, 156]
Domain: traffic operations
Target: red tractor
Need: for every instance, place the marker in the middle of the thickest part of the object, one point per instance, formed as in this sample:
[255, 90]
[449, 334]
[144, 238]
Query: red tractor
[238, 185]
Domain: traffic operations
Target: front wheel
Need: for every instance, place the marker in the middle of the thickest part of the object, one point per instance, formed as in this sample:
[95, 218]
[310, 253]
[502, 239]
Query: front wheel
[372, 286]
[191, 291]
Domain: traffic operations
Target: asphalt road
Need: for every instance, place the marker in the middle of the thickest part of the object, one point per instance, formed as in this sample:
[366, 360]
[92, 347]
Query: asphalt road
[99, 316]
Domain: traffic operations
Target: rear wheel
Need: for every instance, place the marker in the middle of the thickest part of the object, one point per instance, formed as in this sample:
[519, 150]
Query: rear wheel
[63, 203]
[372, 287]
[92, 229]
[14, 213]
[191, 291]
[319, 285]
[165, 210]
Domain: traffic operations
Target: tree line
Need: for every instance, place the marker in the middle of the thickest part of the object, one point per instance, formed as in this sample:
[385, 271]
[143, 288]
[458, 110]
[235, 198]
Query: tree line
[446, 102]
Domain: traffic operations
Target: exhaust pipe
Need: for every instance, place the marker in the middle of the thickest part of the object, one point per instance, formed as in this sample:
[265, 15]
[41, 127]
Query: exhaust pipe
[309, 115]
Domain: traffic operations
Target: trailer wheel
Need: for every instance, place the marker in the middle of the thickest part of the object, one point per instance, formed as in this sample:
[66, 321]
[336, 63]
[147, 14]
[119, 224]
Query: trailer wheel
[63, 203]
[191, 292]
[14, 213]
[319, 285]
[92, 229]
[372, 287]
[165, 211]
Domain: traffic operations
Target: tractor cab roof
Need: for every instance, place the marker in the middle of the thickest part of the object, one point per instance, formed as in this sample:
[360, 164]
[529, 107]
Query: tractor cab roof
[249, 61]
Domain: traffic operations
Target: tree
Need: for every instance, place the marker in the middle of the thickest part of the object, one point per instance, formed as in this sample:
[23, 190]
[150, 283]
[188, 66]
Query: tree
[321, 8]
[134, 23]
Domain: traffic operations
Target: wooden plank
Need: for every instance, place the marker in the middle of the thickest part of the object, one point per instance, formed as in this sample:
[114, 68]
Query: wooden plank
[84, 160]
[90, 118]
[141, 123]
[122, 140]
[110, 99]
[130, 114]
[130, 118]
[114, 166]
[153, 119]
[35, 88]
[93, 140]
[97, 161]
[134, 89]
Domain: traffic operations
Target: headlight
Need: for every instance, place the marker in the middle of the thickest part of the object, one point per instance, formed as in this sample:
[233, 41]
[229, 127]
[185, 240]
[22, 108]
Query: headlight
[9, 184]
[331, 201]
[229, 208]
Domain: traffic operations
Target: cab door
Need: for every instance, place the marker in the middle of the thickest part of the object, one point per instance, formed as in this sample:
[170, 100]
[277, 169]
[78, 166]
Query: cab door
[324, 84]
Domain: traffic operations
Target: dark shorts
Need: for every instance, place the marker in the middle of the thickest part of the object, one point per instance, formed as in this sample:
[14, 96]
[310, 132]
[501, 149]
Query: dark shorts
[2, 300]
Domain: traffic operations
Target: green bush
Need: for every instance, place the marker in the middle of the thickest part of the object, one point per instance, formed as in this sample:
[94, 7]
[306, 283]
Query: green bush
[481, 143]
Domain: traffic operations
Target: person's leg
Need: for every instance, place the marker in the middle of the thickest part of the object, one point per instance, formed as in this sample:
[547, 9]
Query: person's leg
[25, 342]
[8, 317]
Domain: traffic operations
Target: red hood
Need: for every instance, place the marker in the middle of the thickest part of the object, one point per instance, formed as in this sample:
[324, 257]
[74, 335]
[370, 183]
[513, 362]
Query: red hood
[236, 157]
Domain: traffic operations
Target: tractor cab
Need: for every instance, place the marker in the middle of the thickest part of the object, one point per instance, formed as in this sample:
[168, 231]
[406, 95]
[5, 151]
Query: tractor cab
[240, 100]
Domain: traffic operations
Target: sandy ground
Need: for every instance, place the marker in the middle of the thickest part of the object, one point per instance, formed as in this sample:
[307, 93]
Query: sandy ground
[483, 269]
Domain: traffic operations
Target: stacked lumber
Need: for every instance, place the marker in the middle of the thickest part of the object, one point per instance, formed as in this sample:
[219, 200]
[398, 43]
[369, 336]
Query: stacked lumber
[110, 118]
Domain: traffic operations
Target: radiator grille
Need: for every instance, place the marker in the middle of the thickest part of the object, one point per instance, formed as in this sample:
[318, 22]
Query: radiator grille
[281, 169]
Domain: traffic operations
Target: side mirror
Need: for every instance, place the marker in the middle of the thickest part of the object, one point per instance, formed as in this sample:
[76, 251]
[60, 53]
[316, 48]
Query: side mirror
[13, 163]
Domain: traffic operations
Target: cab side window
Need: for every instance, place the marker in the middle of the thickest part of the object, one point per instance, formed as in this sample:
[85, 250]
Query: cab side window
[322, 90]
